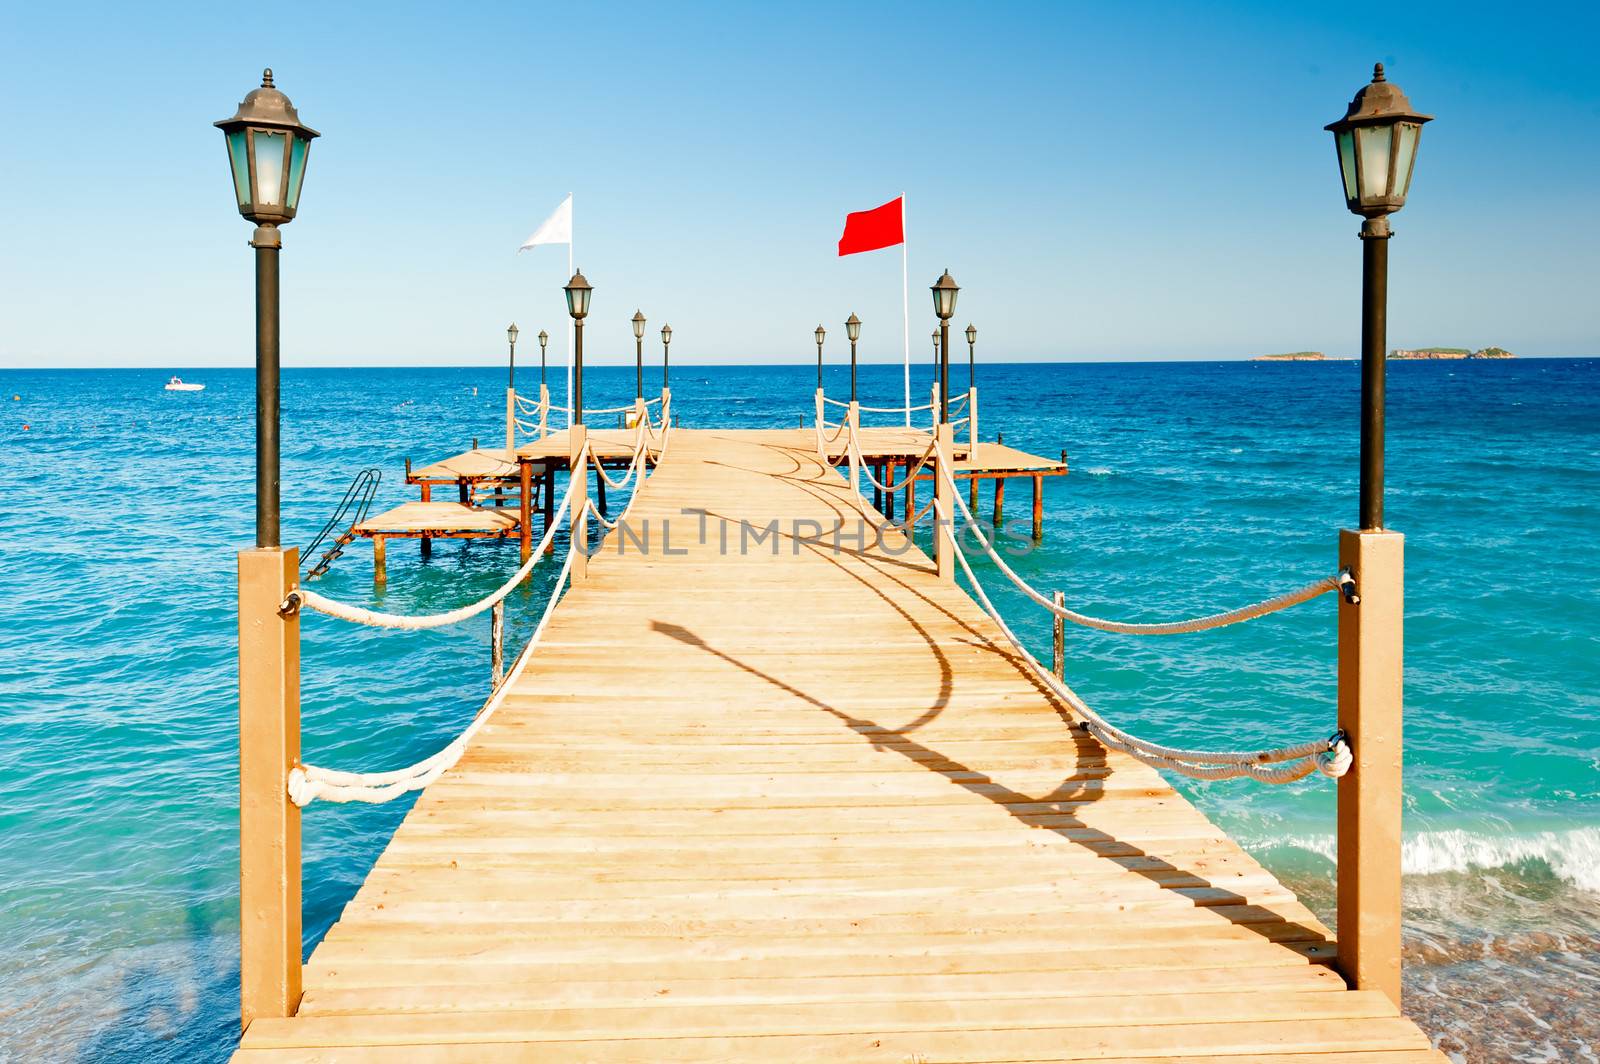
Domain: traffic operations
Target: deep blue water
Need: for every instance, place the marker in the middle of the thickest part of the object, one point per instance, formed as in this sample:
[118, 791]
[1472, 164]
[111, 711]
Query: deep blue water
[1194, 487]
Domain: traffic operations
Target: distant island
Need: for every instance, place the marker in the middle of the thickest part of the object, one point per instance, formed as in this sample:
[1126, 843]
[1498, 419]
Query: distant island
[1450, 352]
[1397, 353]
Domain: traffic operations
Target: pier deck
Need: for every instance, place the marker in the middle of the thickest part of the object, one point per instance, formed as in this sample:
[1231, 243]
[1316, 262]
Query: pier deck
[741, 806]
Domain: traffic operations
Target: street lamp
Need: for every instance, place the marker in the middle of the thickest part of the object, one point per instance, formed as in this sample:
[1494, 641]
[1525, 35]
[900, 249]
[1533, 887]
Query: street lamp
[852, 329]
[1376, 141]
[666, 344]
[972, 343]
[511, 338]
[638, 354]
[544, 341]
[578, 292]
[944, 304]
[821, 335]
[267, 149]
[936, 356]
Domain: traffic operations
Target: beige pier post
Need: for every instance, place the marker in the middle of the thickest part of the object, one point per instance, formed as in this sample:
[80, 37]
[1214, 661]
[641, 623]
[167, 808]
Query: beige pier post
[854, 433]
[380, 561]
[511, 424]
[578, 511]
[972, 431]
[819, 405]
[944, 503]
[1058, 656]
[936, 414]
[544, 411]
[640, 411]
[1370, 712]
[269, 823]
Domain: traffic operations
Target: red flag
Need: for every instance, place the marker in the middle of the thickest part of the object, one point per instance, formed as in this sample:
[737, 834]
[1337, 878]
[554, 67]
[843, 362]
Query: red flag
[881, 227]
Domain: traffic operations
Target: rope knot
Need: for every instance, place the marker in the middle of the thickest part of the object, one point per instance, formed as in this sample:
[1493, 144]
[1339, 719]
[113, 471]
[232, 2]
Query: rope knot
[1336, 760]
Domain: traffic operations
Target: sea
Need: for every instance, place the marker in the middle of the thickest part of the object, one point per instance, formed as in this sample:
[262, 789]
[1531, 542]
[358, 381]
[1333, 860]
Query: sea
[1194, 487]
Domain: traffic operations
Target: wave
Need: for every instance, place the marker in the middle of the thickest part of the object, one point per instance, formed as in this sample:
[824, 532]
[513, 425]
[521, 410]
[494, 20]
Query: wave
[1572, 855]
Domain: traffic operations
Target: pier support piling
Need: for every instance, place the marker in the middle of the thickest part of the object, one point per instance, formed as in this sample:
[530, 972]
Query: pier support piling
[1370, 711]
[944, 503]
[1038, 507]
[497, 642]
[578, 514]
[999, 500]
[525, 510]
[269, 823]
[380, 561]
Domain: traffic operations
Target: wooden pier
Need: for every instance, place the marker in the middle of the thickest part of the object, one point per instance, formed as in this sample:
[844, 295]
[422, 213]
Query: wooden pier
[788, 800]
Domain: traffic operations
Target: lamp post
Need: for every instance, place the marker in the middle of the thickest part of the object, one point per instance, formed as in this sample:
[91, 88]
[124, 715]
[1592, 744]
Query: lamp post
[511, 338]
[638, 354]
[820, 335]
[972, 343]
[944, 304]
[936, 356]
[578, 292]
[267, 149]
[852, 329]
[666, 343]
[1376, 142]
[544, 341]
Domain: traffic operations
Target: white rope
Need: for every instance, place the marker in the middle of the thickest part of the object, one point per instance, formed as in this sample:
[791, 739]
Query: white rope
[1332, 757]
[835, 402]
[361, 615]
[911, 476]
[307, 783]
[894, 409]
[639, 449]
[532, 406]
[1193, 624]
[608, 410]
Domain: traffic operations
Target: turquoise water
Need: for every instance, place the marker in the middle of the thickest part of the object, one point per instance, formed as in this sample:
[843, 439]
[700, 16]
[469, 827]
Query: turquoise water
[1194, 487]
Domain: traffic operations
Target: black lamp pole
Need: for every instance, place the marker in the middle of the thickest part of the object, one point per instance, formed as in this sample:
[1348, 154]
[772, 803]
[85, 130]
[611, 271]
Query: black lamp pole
[638, 354]
[544, 339]
[1376, 142]
[511, 363]
[852, 329]
[267, 150]
[944, 290]
[972, 343]
[820, 335]
[578, 292]
[666, 345]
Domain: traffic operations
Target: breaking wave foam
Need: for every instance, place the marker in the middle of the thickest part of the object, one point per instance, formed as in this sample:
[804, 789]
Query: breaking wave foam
[1572, 855]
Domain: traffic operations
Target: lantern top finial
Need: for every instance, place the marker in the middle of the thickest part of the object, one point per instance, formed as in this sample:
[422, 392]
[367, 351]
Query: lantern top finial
[1378, 101]
[266, 106]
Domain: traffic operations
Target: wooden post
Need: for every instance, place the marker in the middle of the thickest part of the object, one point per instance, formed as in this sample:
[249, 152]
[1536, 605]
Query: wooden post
[544, 411]
[600, 489]
[999, 500]
[911, 495]
[944, 503]
[972, 429]
[511, 425]
[578, 511]
[935, 413]
[854, 431]
[269, 823]
[640, 411]
[549, 506]
[1370, 701]
[525, 511]
[1059, 657]
[497, 642]
[426, 490]
[888, 478]
[877, 492]
[1038, 507]
[380, 561]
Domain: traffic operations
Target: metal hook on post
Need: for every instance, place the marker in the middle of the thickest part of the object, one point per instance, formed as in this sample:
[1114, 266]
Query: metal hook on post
[1347, 587]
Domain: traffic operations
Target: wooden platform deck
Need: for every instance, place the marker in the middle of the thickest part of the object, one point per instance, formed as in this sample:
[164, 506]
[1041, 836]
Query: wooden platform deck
[799, 804]
[441, 520]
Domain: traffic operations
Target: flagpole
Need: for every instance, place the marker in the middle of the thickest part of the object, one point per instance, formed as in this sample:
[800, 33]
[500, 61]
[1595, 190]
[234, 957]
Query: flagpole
[905, 308]
[572, 324]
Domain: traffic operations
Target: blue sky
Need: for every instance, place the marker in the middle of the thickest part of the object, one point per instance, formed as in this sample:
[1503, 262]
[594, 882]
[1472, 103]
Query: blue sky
[1105, 181]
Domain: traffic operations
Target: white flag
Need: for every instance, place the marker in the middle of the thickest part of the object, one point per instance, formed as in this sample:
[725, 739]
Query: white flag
[556, 229]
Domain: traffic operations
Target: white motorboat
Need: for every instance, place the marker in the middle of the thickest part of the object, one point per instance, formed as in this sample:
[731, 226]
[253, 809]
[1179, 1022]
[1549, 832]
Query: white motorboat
[177, 385]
